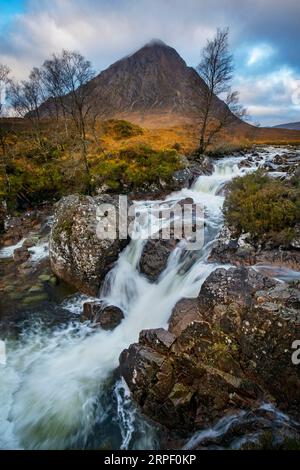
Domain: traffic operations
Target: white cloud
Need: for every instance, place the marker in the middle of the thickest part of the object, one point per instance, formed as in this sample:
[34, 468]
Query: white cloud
[270, 97]
[259, 53]
[106, 30]
[102, 30]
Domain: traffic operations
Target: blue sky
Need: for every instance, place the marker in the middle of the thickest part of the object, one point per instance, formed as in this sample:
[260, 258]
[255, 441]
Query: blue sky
[265, 37]
[8, 9]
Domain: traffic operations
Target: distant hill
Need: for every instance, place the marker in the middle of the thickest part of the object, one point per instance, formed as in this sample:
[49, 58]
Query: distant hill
[293, 126]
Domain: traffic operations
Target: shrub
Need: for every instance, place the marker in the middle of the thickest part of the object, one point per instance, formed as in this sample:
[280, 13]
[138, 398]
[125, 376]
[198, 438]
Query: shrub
[266, 208]
[122, 129]
[135, 167]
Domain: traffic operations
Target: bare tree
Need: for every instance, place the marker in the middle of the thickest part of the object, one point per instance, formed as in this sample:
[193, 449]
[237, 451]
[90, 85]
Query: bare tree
[52, 77]
[68, 77]
[26, 98]
[4, 79]
[216, 69]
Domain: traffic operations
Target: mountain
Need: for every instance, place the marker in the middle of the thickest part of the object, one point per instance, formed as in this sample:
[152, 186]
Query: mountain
[153, 84]
[154, 87]
[293, 126]
[153, 81]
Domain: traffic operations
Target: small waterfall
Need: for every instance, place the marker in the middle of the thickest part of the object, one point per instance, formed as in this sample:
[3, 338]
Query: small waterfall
[53, 388]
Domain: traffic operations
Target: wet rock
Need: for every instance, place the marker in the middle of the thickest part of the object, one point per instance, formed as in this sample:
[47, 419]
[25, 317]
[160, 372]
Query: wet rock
[77, 254]
[185, 313]
[21, 255]
[247, 163]
[155, 257]
[264, 428]
[279, 160]
[181, 179]
[200, 165]
[156, 252]
[295, 243]
[107, 318]
[229, 246]
[230, 349]
[187, 200]
[163, 339]
[243, 250]
[269, 166]
[30, 242]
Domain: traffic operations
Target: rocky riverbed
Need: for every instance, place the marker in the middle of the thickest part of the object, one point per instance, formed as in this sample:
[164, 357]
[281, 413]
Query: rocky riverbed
[205, 350]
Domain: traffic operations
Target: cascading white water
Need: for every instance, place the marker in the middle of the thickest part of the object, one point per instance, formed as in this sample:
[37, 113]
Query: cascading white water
[51, 389]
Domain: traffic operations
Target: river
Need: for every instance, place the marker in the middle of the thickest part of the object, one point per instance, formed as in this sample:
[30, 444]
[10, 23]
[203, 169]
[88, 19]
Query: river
[59, 388]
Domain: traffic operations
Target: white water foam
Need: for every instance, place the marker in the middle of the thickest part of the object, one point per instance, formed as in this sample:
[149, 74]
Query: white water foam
[39, 252]
[8, 251]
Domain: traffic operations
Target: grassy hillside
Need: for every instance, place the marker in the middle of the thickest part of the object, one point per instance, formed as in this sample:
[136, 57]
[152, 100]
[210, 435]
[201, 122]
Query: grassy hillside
[122, 155]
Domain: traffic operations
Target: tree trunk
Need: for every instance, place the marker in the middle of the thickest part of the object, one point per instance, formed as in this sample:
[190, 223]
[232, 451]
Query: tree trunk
[202, 143]
[85, 160]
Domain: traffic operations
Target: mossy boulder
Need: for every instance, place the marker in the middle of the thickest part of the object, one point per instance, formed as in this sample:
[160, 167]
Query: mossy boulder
[77, 254]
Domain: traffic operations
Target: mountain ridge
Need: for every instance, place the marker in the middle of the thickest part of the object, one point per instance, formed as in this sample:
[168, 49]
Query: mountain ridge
[293, 126]
[153, 83]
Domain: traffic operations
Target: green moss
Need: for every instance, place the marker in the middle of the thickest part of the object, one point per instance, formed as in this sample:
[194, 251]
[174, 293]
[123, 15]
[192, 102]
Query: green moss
[64, 225]
[35, 299]
[180, 394]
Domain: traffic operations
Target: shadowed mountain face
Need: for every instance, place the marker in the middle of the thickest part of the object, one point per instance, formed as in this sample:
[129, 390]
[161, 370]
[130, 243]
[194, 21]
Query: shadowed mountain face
[153, 84]
[294, 126]
[154, 80]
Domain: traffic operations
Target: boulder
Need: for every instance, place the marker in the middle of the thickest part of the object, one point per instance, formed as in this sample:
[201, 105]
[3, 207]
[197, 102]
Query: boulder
[226, 351]
[280, 160]
[246, 163]
[155, 257]
[242, 250]
[77, 254]
[30, 242]
[233, 249]
[21, 255]
[181, 179]
[107, 318]
[295, 243]
[156, 252]
[199, 165]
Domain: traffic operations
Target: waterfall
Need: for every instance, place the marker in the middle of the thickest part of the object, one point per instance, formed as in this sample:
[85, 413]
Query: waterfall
[53, 390]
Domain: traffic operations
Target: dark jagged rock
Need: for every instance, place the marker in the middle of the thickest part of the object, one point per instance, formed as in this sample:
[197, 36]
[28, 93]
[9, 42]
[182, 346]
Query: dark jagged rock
[155, 257]
[21, 255]
[156, 252]
[107, 318]
[243, 250]
[229, 350]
